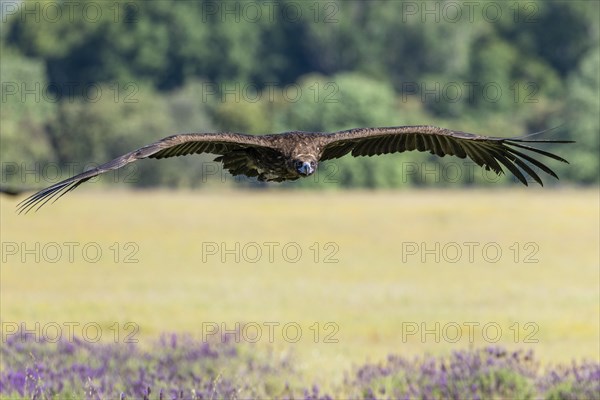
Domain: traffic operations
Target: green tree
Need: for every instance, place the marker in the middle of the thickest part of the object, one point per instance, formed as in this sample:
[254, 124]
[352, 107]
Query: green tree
[582, 122]
[26, 106]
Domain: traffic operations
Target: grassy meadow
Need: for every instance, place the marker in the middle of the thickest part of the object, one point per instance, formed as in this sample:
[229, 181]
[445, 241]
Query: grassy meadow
[368, 278]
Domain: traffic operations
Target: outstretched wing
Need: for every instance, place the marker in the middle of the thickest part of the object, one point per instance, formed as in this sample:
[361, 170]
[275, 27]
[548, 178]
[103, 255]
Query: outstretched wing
[488, 152]
[172, 146]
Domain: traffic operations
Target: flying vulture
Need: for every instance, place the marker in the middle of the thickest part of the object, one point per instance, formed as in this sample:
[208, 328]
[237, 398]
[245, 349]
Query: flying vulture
[292, 155]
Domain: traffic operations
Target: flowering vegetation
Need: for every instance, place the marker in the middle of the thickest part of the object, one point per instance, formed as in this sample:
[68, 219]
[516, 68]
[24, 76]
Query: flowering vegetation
[181, 367]
[489, 373]
[177, 367]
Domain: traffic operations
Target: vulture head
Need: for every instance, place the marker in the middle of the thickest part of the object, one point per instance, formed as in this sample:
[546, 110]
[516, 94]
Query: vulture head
[303, 165]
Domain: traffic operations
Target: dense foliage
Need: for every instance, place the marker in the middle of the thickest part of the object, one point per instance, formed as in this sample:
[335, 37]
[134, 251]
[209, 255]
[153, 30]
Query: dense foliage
[180, 367]
[86, 81]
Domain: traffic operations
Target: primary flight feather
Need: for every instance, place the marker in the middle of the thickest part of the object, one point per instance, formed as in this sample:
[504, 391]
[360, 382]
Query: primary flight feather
[292, 155]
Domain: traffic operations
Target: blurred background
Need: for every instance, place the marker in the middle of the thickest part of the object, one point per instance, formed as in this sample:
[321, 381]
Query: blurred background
[382, 250]
[86, 83]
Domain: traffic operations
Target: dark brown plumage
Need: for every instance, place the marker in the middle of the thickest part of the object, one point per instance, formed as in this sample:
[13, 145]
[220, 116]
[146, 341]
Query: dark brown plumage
[292, 155]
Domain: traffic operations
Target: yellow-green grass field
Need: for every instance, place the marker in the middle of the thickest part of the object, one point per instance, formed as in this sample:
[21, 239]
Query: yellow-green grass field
[542, 291]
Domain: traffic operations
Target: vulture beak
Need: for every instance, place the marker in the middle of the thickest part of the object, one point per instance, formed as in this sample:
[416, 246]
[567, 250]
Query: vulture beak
[306, 169]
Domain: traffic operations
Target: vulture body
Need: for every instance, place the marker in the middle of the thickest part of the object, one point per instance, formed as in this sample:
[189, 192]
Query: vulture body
[293, 155]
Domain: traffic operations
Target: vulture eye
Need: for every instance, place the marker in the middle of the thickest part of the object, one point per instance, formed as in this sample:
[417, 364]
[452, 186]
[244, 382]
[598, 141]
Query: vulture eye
[312, 164]
[298, 164]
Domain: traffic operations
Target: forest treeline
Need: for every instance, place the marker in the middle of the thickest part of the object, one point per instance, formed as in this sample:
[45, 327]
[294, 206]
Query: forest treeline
[85, 81]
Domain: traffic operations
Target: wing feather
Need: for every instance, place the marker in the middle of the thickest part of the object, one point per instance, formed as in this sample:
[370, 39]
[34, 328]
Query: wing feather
[488, 152]
[533, 161]
[523, 165]
[438, 144]
[402, 143]
[394, 143]
[420, 144]
[410, 142]
[539, 151]
[455, 148]
[504, 160]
